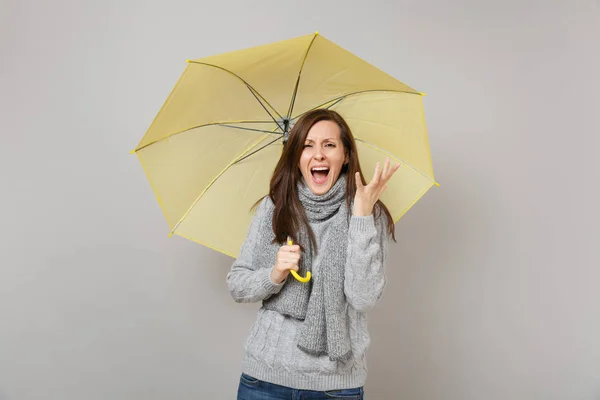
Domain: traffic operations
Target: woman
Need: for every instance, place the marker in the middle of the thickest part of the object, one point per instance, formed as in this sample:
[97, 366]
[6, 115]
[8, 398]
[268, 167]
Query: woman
[310, 339]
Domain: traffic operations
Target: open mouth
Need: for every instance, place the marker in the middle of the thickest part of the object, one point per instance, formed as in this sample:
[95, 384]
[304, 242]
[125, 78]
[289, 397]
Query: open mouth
[319, 174]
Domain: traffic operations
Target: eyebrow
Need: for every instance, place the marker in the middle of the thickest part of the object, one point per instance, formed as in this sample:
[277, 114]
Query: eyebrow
[326, 139]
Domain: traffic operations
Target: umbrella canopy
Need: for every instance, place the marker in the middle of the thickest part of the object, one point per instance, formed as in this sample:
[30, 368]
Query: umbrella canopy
[210, 152]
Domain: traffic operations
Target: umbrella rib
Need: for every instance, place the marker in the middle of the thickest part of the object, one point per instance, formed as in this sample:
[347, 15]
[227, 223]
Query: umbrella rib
[202, 126]
[246, 129]
[265, 108]
[335, 102]
[257, 150]
[342, 97]
[214, 180]
[254, 91]
[396, 158]
[291, 109]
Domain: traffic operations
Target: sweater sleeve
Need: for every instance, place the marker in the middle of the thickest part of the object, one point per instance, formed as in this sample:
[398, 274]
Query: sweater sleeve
[247, 284]
[367, 251]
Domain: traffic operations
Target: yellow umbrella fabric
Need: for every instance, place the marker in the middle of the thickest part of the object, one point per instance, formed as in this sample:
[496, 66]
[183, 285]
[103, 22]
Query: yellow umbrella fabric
[210, 152]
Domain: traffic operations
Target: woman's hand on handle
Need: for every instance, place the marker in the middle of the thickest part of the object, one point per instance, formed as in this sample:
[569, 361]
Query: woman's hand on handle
[288, 257]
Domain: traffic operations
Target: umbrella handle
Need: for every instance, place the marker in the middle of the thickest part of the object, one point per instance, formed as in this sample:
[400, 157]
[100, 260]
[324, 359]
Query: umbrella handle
[290, 242]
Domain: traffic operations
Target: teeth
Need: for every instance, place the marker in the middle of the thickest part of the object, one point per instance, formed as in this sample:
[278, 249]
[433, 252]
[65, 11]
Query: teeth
[320, 169]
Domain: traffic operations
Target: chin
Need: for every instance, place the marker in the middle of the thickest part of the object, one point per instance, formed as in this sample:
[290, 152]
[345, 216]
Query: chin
[320, 189]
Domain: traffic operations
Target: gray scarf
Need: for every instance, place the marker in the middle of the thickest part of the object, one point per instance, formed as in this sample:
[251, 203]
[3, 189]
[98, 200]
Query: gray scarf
[321, 302]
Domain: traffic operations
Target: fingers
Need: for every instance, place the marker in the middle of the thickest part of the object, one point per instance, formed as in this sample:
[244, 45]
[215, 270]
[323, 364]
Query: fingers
[287, 266]
[388, 171]
[288, 257]
[359, 184]
[393, 170]
[370, 193]
[380, 175]
[386, 168]
[290, 249]
[376, 174]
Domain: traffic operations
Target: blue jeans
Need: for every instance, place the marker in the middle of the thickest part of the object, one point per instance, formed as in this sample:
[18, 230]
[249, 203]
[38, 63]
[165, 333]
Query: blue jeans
[253, 389]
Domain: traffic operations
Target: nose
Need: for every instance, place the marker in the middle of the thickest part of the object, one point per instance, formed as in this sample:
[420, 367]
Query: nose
[319, 154]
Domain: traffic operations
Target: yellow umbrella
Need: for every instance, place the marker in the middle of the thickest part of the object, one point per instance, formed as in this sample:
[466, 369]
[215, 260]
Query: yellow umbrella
[211, 150]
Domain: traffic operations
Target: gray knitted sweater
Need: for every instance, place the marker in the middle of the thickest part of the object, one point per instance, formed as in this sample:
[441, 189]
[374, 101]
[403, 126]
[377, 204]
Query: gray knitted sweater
[271, 353]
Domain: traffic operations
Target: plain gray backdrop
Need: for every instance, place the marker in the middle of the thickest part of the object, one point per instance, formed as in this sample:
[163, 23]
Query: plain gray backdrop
[494, 284]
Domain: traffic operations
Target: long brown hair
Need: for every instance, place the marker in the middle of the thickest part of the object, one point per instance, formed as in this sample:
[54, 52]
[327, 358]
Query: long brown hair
[289, 214]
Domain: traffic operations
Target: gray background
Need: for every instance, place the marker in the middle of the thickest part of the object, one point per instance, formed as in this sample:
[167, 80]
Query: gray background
[493, 287]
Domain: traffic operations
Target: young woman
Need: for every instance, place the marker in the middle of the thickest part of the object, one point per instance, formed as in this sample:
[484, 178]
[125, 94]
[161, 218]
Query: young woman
[310, 339]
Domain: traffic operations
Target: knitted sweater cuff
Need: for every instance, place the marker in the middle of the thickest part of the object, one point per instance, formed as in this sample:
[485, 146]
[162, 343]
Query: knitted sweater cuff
[266, 283]
[362, 224]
